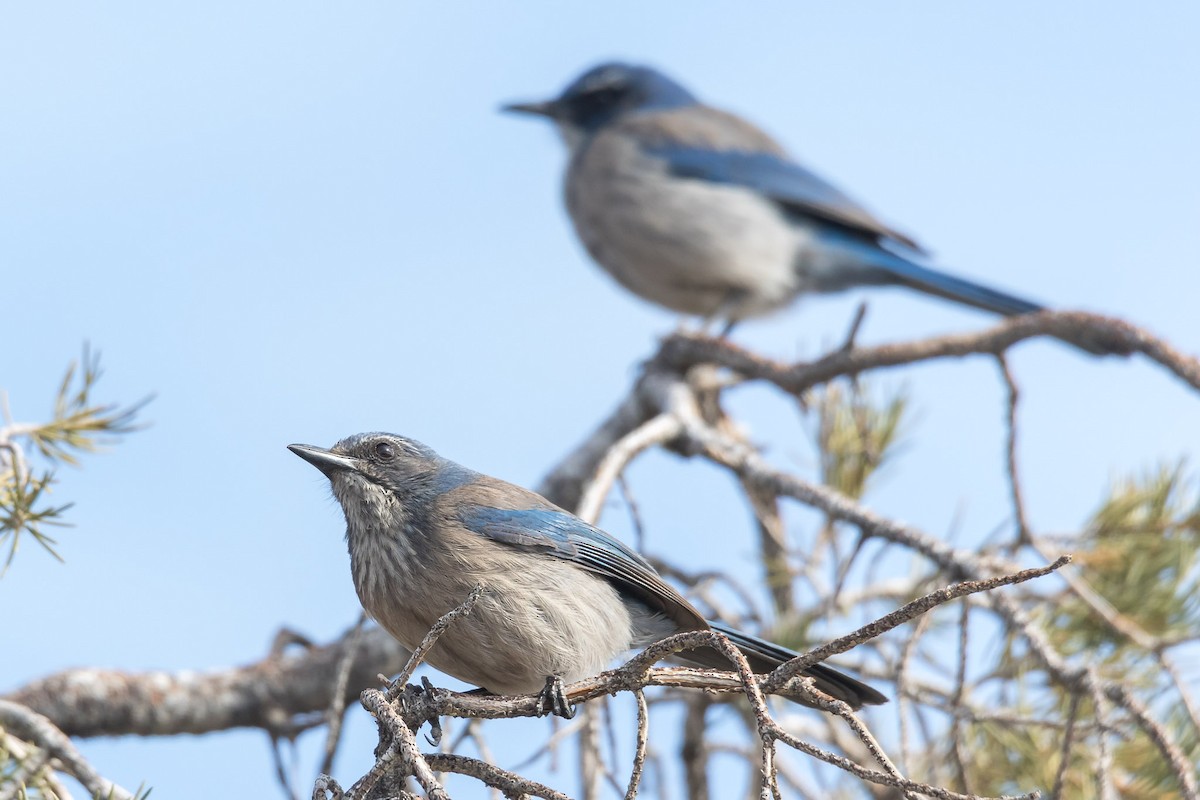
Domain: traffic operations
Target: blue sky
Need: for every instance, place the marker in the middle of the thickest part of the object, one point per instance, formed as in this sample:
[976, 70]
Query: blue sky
[296, 221]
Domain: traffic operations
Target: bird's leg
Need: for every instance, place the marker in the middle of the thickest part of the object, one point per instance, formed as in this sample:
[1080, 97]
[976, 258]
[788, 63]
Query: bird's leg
[724, 311]
[855, 324]
[552, 700]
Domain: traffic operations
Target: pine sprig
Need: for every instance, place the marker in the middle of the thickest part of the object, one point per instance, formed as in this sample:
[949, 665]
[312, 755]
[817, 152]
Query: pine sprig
[856, 435]
[78, 425]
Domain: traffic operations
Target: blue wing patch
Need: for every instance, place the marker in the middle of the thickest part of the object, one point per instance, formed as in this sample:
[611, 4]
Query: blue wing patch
[565, 536]
[783, 181]
[553, 531]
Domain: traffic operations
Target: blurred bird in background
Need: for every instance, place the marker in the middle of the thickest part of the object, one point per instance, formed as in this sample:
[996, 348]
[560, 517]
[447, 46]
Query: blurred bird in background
[697, 210]
[561, 597]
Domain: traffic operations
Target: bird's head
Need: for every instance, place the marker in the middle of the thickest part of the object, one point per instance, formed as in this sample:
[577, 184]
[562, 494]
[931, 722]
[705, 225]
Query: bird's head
[376, 477]
[606, 93]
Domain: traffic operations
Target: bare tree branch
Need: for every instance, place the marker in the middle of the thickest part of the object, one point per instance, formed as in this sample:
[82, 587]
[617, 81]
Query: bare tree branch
[680, 352]
[35, 729]
[276, 694]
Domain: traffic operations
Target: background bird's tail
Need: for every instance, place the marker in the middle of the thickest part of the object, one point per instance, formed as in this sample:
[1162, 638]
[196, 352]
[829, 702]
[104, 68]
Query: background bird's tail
[859, 261]
[931, 281]
[765, 656]
[866, 262]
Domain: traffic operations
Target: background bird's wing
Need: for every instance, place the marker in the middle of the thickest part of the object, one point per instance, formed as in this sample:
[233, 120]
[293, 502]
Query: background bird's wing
[563, 535]
[794, 187]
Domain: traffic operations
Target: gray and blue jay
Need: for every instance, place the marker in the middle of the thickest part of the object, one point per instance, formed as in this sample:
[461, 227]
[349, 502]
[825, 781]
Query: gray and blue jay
[561, 597]
[698, 210]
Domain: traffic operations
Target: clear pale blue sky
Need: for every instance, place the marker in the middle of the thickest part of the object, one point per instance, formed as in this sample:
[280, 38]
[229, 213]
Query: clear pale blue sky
[296, 221]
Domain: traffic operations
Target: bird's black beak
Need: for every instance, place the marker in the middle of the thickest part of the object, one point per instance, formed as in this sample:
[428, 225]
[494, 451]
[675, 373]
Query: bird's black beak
[548, 108]
[327, 461]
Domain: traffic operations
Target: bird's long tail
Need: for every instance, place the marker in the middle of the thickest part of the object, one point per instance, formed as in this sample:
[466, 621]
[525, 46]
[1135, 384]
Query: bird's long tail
[859, 261]
[765, 656]
[942, 284]
[866, 262]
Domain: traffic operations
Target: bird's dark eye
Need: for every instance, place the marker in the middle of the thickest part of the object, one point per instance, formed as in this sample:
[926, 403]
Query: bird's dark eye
[384, 451]
[605, 96]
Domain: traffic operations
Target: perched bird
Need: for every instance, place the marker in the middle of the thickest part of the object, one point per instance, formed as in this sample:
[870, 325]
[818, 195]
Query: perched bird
[561, 597]
[696, 209]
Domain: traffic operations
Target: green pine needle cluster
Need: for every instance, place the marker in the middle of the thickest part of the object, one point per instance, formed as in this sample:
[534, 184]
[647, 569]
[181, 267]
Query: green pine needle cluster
[17, 769]
[31, 452]
[856, 434]
[1138, 555]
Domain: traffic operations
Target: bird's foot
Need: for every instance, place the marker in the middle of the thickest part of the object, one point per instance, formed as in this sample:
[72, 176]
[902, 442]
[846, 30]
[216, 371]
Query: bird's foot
[552, 699]
[418, 705]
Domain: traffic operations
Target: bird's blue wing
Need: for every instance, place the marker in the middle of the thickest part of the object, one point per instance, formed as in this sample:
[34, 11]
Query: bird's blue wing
[881, 253]
[562, 535]
[553, 531]
[785, 182]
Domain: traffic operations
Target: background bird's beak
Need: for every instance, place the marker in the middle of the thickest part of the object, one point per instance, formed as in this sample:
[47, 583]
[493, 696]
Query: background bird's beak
[325, 460]
[547, 108]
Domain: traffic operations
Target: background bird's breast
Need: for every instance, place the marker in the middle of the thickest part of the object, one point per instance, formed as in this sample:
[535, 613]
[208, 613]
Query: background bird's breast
[683, 243]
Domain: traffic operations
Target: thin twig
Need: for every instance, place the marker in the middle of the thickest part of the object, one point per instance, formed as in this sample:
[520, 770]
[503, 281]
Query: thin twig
[1068, 741]
[657, 431]
[902, 685]
[639, 755]
[1181, 686]
[1014, 482]
[1104, 755]
[960, 683]
[874, 776]
[635, 514]
[430, 640]
[281, 772]
[860, 314]
[694, 749]
[1184, 770]
[592, 768]
[561, 733]
[337, 704]
[473, 731]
